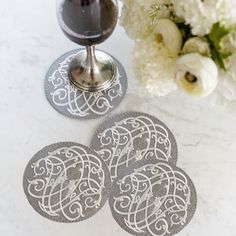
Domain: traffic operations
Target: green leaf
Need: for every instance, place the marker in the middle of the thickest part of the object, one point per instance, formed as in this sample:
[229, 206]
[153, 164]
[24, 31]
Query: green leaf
[218, 32]
[225, 55]
[217, 58]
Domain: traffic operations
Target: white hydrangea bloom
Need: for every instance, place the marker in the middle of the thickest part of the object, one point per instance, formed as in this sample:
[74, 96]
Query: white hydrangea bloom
[195, 14]
[201, 15]
[225, 11]
[138, 15]
[154, 67]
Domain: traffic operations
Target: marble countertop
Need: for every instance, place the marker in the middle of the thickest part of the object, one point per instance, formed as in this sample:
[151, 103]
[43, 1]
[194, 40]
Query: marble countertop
[30, 40]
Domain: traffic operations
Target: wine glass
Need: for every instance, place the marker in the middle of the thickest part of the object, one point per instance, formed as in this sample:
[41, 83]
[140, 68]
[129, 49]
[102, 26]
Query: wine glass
[87, 23]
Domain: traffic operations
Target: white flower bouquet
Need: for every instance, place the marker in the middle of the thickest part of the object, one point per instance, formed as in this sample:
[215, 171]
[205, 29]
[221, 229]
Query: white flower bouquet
[187, 44]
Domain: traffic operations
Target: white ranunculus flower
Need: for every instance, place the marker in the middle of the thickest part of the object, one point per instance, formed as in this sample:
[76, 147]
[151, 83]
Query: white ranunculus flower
[198, 45]
[170, 35]
[196, 74]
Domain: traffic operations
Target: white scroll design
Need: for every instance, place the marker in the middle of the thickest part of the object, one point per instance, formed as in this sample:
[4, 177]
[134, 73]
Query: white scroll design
[153, 199]
[67, 183]
[81, 104]
[133, 139]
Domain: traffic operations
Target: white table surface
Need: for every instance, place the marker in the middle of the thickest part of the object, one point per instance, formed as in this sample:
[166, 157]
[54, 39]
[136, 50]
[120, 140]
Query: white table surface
[30, 40]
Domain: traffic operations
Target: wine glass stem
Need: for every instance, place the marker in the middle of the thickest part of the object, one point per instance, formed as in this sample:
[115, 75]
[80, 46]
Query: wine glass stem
[91, 59]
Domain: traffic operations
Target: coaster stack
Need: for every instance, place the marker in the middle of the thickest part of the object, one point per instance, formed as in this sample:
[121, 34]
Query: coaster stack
[132, 161]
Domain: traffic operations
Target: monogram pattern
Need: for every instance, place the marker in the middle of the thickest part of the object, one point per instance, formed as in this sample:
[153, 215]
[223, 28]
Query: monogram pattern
[153, 198]
[131, 137]
[67, 182]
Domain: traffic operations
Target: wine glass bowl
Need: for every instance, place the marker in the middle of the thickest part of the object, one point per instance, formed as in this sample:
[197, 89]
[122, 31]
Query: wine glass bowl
[87, 23]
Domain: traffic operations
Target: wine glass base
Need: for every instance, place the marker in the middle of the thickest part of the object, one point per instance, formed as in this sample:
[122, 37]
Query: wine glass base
[71, 102]
[92, 78]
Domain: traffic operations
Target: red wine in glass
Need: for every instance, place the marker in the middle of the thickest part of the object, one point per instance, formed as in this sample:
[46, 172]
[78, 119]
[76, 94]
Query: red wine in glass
[87, 23]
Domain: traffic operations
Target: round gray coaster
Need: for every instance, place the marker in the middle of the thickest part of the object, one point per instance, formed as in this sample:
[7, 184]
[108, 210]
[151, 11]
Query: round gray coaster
[67, 182]
[133, 136]
[153, 199]
[71, 102]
